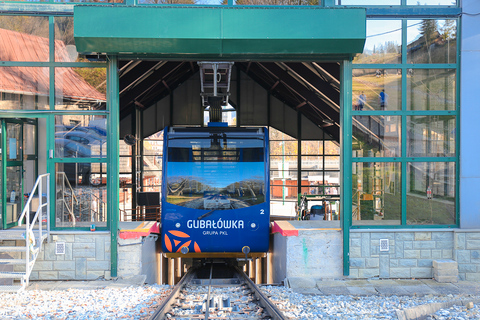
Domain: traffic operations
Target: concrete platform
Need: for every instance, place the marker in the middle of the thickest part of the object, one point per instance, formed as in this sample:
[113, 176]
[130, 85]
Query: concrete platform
[121, 282]
[137, 229]
[307, 249]
[420, 287]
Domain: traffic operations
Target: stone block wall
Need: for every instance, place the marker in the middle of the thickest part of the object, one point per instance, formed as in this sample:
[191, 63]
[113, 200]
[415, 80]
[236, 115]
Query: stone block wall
[412, 253]
[87, 257]
[467, 254]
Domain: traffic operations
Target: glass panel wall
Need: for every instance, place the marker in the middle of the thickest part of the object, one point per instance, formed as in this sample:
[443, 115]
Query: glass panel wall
[14, 142]
[431, 2]
[80, 136]
[33, 48]
[377, 89]
[80, 89]
[80, 186]
[320, 172]
[404, 124]
[431, 89]
[237, 2]
[431, 136]
[152, 162]
[14, 193]
[141, 178]
[396, 2]
[65, 50]
[432, 41]
[24, 38]
[377, 136]
[80, 194]
[384, 41]
[318, 177]
[24, 88]
[377, 193]
[126, 181]
[283, 173]
[1, 178]
[366, 2]
[431, 190]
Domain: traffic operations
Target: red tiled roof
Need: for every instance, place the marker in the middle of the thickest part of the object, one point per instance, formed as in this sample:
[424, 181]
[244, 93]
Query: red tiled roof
[17, 46]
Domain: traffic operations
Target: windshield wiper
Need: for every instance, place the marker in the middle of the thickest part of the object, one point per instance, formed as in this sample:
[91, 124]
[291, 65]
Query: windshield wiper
[206, 214]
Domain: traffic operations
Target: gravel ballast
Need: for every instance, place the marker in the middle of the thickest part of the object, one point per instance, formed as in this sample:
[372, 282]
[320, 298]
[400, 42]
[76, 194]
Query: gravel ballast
[136, 302]
[139, 302]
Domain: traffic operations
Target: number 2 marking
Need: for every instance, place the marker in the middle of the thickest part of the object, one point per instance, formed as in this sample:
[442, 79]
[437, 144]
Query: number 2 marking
[262, 211]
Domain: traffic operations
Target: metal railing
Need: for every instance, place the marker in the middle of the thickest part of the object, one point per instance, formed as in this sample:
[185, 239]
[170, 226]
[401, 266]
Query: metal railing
[99, 214]
[43, 181]
[69, 206]
[356, 208]
[141, 213]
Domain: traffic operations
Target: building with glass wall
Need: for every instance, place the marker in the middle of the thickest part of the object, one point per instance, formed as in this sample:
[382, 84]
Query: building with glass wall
[392, 133]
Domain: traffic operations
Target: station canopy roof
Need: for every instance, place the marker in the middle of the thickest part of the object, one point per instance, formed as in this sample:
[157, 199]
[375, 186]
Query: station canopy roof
[221, 32]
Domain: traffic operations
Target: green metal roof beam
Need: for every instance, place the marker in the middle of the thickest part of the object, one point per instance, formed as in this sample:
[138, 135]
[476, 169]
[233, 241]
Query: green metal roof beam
[221, 32]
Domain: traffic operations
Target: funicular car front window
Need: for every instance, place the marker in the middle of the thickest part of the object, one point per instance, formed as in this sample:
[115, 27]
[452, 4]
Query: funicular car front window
[216, 172]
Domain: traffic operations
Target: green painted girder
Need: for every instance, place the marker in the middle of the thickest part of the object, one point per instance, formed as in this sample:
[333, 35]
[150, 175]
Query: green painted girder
[221, 32]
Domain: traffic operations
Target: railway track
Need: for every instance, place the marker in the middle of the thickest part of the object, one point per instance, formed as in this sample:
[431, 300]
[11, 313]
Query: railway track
[228, 290]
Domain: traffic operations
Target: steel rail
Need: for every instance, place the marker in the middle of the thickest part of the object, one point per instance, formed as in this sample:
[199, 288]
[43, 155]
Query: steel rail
[271, 308]
[165, 307]
[207, 304]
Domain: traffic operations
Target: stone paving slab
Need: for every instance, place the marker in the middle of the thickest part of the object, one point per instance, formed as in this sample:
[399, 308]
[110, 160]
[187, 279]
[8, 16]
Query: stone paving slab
[407, 282]
[391, 290]
[418, 290]
[442, 288]
[43, 285]
[127, 282]
[87, 285]
[357, 283]
[298, 282]
[330, 283]
[362, 291]
[340, 290]
[382, 283]
[409, 287]
[307, 291]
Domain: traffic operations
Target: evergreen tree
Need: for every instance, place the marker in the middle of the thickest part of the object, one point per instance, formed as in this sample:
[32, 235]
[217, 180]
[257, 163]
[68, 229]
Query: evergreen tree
[449, 30]
[429, 30]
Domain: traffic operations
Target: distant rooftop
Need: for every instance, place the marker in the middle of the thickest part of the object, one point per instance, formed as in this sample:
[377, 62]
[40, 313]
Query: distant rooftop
[17, 46]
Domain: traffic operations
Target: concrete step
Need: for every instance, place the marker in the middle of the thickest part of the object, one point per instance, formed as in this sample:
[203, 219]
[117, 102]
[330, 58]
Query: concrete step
[12, 236]
[12, 275]
[18, 249]
[13, 249]
[12, 261]
[11, 288]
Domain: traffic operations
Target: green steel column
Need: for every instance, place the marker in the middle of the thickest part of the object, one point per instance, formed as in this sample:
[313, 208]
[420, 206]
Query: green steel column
[113, 130]
[403, 126]
[3, 173]
[50, 143]
[346, 159]
[327, 3]
[299, 152]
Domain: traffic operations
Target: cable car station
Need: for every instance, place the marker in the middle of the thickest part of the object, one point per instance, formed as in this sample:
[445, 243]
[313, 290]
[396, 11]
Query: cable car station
[302, 140]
